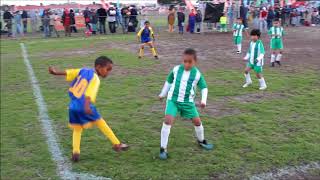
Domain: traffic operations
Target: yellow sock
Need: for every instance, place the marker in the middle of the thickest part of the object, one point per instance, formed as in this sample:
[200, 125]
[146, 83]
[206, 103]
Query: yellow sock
[141, 52]
[107, 131]
[153, 50]
[76, 139]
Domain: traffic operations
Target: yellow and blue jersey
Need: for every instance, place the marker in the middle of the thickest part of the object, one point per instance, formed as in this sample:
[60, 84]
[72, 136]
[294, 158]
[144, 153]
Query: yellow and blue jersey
[84, 83]
[145, 34]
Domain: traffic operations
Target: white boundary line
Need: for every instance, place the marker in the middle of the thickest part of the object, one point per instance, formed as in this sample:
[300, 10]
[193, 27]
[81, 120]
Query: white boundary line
[287, 171]
[64, 169]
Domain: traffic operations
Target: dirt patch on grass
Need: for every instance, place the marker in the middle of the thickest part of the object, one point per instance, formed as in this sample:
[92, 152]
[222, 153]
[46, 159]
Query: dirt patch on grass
[256, 97]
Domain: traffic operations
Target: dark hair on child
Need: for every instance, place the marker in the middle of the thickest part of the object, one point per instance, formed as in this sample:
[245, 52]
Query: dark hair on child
[190, 51]
[146, 22]
[276, 19]
[103, 61]
[255, 32]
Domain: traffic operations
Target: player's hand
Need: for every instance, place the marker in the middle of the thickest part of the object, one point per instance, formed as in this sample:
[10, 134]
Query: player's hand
[52, 70]
[202, 105]
[160, 98]
[88, 110]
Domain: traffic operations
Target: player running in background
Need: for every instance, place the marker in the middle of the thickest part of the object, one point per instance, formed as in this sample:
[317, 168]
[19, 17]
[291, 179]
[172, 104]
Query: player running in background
[83, 114]
[276, 44]
[180, 89]
[144, 35]
[238, 29]
[255, 59]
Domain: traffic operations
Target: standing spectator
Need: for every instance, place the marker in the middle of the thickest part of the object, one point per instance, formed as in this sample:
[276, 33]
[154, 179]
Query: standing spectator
[181, 19]
[118, 17]
[314, 16]
[287, 15]
[7, 18]
[93, 21]
[112, 19]
[270, 17]
[102, 14]
[46, 23]
[263, 19]
[18, 22]
[25, 21]
[34, 21]
[125, 13]
[223, 23]
[53, 19]
[171, 18]
[198, 20]
[66, 21]
[86, 15]
[73, 27]
[192, 21]
[133, 21]
[230, 14]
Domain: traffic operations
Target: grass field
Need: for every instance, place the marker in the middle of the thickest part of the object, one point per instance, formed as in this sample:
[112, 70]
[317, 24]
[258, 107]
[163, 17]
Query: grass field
[253, 131]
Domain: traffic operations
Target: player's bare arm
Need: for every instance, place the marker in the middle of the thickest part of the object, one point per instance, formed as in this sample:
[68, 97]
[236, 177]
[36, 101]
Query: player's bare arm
[54, 71]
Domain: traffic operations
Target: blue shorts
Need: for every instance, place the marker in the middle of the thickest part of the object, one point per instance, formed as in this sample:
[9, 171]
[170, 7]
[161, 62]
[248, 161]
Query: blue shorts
[78, 118]
[145, 40]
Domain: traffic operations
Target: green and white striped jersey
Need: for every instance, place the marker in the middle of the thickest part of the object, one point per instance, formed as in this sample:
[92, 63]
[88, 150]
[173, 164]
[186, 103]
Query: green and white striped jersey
[183, 84]
[276, 32]
[238, 29]
[255, 53]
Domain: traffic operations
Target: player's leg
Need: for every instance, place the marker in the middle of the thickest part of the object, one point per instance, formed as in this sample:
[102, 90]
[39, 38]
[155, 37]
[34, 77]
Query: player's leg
[76, 139]
[170, 114]
[262, 82]
[273, 57]
[141, 51]
[153, 50]
[107, 131]
[279, 56]
[247, 75]
[199, 130]
[238, 42]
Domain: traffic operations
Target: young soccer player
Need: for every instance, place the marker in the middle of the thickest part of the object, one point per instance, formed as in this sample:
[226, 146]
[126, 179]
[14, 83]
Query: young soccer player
[255, 59]
[180, 89]
[82, 112]
[223, 23]
[145, 35]
[238, 29]
[276, 32]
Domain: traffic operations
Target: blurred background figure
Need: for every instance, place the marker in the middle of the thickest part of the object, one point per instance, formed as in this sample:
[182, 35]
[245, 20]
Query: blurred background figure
[7, 18]
[73, 27]
[181, 19]
[102, 15]
[125, 13]
[24, 17]
[18, 23]
[112, 19]
[46, 23]
[53, 21]
[34, 21]
[66, 21]
[171, 18]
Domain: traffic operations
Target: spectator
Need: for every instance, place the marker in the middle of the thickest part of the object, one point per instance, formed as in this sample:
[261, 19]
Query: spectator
[46, 23]
[125, 13]
[181, 19]
[73, 27]
[192, 21]
[198, 20]
[18, 22]
[270, 17]
[7, 18]
[102, 14]
[66, 21]
[34, 21]
[230, 10]
[86, 15]
[93, 21]
[171, 18]
[112, 19]
[133, 21]
[314, 17]
[24, 20]
[263, 19]
[53, 19]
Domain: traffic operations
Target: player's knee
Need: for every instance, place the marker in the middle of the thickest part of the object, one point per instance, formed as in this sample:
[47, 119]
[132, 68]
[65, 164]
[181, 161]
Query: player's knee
[197, 121]
[169, 120]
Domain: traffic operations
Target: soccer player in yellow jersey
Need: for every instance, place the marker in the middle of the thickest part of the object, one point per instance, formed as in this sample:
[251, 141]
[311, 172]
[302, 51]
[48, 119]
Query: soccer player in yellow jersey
[83, 92]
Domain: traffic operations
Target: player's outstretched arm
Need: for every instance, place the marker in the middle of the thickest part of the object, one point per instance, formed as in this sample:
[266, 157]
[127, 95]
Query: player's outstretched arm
[165, 90]
[54, 71]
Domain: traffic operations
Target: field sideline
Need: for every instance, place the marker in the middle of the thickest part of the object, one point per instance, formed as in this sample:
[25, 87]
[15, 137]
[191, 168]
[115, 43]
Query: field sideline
[254, 132]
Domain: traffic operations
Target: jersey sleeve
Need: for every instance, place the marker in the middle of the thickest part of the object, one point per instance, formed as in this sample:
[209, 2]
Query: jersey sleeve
[71, 74]
[140, 32]
[92, 89]
[151, 31]
[262, 51]
[170, 77]
[202, 84]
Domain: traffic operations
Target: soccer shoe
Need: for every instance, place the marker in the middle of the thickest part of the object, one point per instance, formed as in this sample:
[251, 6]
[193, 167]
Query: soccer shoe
[156, 57]
[75, 157]
[205, 145]
[163, 154]
[278, 62]
[246, 84]
[120, 147]
[263, 88]
[139, 57]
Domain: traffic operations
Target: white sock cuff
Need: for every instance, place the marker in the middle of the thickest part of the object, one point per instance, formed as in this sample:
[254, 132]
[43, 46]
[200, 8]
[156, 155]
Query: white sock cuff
[166, 127]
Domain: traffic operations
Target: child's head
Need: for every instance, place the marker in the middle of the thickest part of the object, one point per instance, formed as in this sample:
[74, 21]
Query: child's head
[147, 24]
[103, 66]
[189, 58]
[239, 20]
[255, 34]
[276, 22]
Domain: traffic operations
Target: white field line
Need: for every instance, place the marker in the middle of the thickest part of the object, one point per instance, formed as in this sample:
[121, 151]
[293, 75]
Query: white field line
[63, 165]
[287, 172]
